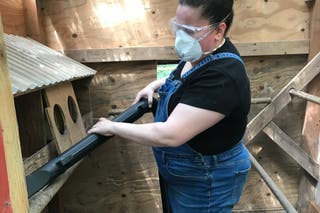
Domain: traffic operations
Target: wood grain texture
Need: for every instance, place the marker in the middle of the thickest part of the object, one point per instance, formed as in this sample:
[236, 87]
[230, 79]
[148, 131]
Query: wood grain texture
[10, 137]
[291, 148]
[96, 24]
[31, 122]
[268, 74]
[13, 17]
[83, 94]
[39, 158]
[33, 20]
[313, 208]
[115, 85]
[311, 129]
[270, 20]
[73, 130]
[169, 53]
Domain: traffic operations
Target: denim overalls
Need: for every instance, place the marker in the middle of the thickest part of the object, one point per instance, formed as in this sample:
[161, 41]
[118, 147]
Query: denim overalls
[192, 182]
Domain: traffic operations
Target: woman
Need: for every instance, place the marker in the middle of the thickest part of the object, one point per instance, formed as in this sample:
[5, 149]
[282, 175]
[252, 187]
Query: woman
[201, 115]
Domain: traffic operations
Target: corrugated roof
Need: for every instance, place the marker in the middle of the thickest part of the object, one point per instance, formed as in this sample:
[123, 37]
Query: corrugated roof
[33, 65]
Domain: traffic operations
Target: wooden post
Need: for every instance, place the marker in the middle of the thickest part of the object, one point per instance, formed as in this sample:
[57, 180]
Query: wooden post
[313, 208]
[33, 20]
[311, 128]
[17, 199]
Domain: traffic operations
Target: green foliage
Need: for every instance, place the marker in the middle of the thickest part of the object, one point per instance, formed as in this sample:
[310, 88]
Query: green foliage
[164, 70]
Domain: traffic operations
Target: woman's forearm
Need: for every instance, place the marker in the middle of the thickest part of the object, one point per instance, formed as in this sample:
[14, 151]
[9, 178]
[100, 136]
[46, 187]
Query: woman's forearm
[157, 83]
[152, 134]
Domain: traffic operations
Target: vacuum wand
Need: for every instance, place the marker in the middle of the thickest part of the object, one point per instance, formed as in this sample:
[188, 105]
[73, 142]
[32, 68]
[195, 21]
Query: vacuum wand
[55, 167]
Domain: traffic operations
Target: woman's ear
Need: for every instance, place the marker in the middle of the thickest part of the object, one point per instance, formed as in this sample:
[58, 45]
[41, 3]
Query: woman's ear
[221, 29]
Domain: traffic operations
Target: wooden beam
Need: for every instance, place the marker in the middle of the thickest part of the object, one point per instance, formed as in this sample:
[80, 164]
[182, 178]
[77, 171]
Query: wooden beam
[33, 20]
[282, 99]
[40, 158]
[292, 149]
[305, 96]
[314, 29]
[311, 126]
[313, 208]
[10, 133]
[260, 100]
[168, 52]
[13, 17]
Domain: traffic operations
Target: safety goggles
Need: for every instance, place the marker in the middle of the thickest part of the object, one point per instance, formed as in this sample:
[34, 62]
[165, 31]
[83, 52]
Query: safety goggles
[195, 32]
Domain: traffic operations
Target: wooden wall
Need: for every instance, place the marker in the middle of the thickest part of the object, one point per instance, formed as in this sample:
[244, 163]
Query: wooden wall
[122, 176]
[12, 14]
[96, 24]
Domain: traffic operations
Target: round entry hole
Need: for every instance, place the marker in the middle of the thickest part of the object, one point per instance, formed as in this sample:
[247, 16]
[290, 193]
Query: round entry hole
[72, 109]
[59, 119]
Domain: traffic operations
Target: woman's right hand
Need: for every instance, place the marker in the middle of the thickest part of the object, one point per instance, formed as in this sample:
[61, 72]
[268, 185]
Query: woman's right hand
[147, 93]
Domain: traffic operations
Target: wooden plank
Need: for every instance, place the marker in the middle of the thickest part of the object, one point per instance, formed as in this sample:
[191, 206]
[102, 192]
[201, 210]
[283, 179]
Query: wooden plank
[83, 94]
[40, 158]
[10, 134]
[13, 17]
[61, 101]
[314, 29]
[292, 149]
[115, 85]
[168, 52]
[87, 24]
[31, 122]
[269, 74]
[311, 128]
[313, 208]
[312, 117]
[260, 100]
[282, 99]
[305, 96]
[33, 23]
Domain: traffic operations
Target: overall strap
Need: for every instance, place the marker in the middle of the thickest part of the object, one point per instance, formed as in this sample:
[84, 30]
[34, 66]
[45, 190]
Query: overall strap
[211, 58]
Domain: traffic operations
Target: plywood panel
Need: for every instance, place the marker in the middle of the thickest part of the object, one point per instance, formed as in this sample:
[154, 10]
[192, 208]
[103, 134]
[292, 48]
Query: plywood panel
[13, 17]
[31, 122]
[64, 115]
[115, 85]
[102, 24]
[270, 20]
[269, 74]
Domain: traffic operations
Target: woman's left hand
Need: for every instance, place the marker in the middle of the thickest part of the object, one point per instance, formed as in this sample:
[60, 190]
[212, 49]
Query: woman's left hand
[102, 127]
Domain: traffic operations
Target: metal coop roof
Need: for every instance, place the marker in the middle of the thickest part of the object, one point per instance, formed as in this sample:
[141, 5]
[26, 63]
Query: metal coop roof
[33, 65]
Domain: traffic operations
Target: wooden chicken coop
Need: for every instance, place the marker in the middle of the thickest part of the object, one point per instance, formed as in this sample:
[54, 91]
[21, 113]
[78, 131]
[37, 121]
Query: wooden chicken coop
[66, 63]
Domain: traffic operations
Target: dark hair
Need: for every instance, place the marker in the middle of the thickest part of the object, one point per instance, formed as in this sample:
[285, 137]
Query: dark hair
[213, 10]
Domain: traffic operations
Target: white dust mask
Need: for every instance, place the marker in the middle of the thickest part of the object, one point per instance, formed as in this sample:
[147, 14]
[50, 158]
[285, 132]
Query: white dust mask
[187, 47]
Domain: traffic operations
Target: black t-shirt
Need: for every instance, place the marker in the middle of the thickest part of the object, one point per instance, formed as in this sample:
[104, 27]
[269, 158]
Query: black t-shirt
[222, 86]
